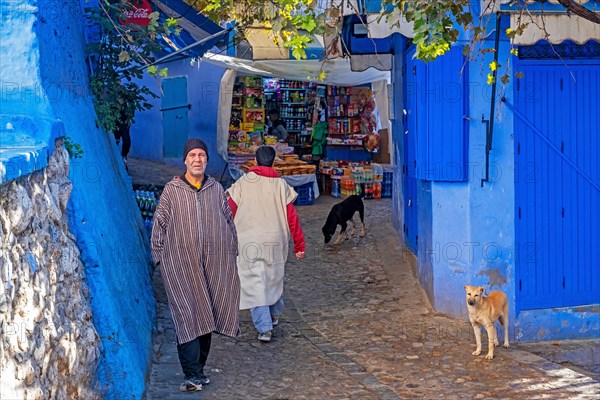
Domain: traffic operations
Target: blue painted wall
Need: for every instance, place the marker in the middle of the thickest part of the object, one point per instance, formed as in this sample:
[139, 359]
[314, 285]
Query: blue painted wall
[473, 226]
[203, 94]
[48, 78]
[426, 256]
[467, 231]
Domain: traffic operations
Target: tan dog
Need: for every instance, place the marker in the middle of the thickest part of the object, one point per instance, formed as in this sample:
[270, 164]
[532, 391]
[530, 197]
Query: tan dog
[484, 311]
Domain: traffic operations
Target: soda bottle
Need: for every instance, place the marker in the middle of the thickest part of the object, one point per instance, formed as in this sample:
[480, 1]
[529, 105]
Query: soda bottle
[358, 189]
[368, 191]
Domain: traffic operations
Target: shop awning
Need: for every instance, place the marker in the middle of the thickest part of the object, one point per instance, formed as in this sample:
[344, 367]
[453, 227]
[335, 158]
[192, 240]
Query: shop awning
[552, 17]
[338, 71]
[558, 27]
[198, 33]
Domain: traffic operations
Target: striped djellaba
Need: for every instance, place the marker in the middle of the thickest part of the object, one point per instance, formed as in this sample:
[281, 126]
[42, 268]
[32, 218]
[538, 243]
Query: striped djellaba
[195, 243]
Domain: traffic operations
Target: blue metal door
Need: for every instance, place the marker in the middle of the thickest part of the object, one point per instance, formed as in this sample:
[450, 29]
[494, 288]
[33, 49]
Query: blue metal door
[175, 107]
[557, 178]
[411, 234]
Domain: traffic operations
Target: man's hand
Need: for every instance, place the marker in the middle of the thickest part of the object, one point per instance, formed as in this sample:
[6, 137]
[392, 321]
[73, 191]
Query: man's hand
[299, 255]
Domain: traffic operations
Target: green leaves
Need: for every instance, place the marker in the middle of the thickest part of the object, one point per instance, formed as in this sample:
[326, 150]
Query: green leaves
[74, 149]
[434, 24]
[119, 57]
[308, 24]
[298, 45]
[171, 22]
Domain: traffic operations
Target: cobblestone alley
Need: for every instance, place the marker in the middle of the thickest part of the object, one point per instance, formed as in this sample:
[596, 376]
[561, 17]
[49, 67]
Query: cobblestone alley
[358, 326]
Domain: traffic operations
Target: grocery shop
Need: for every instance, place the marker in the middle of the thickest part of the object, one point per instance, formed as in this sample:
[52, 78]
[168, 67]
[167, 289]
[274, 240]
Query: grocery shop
[333, 130]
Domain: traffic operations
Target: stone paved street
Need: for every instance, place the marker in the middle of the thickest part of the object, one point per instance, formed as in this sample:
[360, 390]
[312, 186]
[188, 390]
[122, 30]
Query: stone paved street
[358, 326]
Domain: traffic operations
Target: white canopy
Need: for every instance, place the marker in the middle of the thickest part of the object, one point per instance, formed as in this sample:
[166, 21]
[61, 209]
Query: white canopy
[338, 70]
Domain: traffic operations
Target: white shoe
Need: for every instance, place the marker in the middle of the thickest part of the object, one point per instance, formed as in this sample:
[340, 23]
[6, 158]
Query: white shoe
[191, 385]
[275, 321]
[265, 336]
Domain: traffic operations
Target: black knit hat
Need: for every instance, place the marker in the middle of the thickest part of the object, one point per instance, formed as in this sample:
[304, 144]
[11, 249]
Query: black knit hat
[194, 143]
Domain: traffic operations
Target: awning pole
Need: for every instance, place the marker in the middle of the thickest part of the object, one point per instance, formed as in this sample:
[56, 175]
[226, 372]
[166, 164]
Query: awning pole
[191, 46]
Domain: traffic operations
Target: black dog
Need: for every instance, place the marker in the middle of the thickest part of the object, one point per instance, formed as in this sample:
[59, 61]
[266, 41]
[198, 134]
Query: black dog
[340, 214]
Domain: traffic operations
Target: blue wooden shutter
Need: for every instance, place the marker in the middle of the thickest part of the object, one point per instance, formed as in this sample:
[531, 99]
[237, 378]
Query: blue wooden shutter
[441, 134]
[557, 183]
[175, 107]
[580, 118]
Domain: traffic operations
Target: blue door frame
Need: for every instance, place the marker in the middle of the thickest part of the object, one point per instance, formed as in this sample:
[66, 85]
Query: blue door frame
[411, 101]
[557, 183]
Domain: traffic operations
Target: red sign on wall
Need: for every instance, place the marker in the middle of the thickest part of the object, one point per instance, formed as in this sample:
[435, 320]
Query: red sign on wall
[137, 12]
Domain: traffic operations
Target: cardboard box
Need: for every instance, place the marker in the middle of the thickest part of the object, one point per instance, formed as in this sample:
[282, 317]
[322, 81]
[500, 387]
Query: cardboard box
[383, 153]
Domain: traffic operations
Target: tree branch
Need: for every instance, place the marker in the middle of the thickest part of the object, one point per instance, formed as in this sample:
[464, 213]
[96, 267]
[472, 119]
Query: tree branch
[580, 10]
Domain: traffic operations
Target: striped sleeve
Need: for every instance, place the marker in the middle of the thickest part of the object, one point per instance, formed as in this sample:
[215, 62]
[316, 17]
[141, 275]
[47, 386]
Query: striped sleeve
[229, 217]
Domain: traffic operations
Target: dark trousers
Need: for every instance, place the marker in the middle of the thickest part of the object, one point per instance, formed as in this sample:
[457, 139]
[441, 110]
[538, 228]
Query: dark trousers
[193, 355]
[123, 133]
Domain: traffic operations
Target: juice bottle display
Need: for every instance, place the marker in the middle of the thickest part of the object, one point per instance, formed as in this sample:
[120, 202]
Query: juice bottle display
[377, 172]
[368, 188]
[377, 190]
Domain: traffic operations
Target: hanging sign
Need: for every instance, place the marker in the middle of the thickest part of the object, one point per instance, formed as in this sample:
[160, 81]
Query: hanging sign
[137, 12]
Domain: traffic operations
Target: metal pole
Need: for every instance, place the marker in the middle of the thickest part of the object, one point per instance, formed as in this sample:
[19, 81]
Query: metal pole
[191, 46]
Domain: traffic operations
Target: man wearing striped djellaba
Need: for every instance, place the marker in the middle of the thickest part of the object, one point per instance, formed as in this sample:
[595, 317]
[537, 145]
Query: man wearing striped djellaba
[194, 242]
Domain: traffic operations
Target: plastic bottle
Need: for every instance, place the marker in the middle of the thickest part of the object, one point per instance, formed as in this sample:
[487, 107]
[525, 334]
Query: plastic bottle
[358, 189]
[335, 188]
[368, 188]
[386, 190]
[377, 172]
[368, 175]
[152, 202]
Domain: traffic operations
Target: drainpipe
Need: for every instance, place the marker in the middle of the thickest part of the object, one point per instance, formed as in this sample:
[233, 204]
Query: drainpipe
[489, 123]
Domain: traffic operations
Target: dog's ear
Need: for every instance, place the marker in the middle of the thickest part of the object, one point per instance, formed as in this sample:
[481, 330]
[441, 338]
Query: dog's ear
[482, 290]
[467, 287]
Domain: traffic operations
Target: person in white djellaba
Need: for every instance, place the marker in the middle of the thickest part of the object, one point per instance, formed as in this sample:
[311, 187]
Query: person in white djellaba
[264, 215]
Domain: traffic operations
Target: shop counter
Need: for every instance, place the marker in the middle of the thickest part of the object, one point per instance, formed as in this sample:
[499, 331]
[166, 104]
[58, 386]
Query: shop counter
[297, 180]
